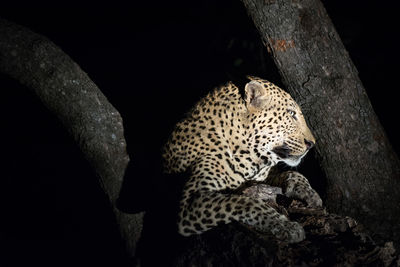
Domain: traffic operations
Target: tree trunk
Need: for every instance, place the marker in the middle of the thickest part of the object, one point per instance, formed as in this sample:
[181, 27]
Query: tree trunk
[361, 168]
[67, 91]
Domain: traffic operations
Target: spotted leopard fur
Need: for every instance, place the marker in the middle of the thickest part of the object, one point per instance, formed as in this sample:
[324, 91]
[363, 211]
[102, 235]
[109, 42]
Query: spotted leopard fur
[225, 141]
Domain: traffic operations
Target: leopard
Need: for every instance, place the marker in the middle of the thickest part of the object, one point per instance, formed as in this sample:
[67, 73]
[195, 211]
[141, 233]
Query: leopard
[227, 140]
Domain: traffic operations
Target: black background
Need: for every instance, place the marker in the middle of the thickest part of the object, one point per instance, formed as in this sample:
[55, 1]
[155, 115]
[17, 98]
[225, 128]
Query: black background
[152, 60]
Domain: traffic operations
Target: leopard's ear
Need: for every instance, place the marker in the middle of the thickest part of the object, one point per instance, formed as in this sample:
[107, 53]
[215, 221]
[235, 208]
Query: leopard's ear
[257, 97]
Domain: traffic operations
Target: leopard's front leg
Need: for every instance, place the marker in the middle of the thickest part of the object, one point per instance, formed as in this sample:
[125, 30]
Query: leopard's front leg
[295, 185]
[204, 210]
[205, 205]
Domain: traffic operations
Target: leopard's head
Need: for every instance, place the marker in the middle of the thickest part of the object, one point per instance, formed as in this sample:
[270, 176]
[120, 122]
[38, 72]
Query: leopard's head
[277, 128]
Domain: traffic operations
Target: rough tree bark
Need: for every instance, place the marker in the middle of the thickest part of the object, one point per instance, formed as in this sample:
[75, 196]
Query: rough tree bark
[362, 170]
[68, 92]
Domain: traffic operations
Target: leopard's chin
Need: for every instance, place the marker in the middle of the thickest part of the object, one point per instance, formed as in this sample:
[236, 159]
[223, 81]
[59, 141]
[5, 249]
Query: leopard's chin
[293, 161]
[284, 153]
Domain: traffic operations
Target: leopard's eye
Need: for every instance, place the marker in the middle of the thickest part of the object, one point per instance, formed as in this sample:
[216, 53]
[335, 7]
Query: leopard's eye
[292, 113]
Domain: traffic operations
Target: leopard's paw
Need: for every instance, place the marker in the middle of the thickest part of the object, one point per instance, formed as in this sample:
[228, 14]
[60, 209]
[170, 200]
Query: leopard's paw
[313, 199]
[291, 232]
[306, 194]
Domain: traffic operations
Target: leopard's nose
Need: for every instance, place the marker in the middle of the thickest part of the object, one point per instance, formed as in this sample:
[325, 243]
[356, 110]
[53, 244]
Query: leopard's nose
[309, 144]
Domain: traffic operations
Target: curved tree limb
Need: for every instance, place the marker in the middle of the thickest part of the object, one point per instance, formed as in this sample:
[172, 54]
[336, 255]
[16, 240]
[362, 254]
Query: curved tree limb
[361, 168]
[68, 92]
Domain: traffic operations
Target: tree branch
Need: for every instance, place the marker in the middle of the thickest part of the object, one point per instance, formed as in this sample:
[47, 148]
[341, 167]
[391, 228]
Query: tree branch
[68, 92]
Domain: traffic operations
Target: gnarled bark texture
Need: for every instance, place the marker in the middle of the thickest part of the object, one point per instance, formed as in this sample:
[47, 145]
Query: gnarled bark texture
[362, 170]
[69, 93]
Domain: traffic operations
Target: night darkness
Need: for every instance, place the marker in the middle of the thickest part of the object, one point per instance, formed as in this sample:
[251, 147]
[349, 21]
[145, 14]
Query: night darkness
[153, 61]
